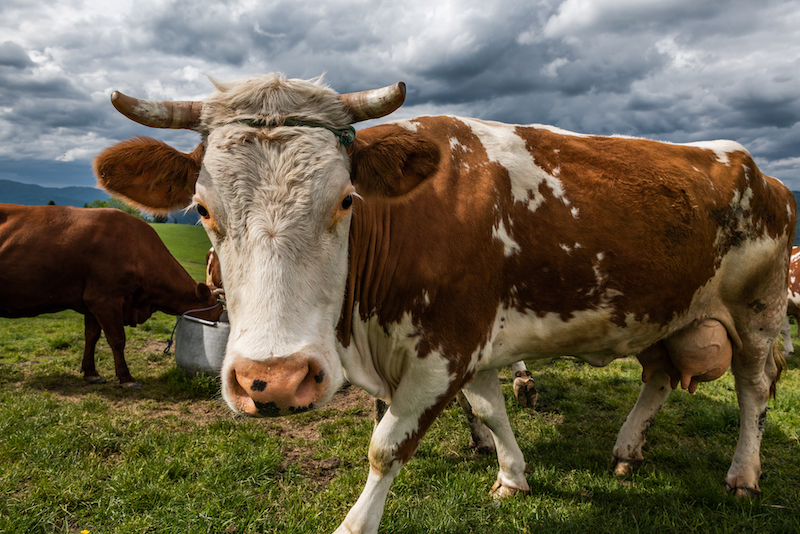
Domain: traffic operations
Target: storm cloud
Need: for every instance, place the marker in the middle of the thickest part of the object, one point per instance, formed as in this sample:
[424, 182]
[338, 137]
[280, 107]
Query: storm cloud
[676, 70]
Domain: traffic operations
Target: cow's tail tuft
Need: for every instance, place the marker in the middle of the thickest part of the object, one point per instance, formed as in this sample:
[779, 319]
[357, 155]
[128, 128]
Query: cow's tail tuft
[780, 364]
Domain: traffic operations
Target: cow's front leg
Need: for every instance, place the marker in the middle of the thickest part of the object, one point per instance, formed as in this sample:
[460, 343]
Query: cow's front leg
[418, 400]
[627, 455]
[486, 398]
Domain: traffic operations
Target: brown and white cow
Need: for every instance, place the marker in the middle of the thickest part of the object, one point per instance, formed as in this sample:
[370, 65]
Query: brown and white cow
[214, 272]
[480, 436]
[108, 265]
[428, 253]
[793, 307]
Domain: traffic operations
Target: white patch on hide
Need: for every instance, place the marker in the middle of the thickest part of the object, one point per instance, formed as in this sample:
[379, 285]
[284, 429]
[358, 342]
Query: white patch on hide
[721, 148]
[509, 245]
[505, 147]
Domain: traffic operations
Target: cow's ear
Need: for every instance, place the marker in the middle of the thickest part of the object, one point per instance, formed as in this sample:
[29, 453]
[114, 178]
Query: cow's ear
[149, 173]
[390, 160]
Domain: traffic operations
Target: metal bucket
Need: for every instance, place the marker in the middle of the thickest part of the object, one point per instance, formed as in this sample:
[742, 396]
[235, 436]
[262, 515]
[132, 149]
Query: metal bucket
[200, 345]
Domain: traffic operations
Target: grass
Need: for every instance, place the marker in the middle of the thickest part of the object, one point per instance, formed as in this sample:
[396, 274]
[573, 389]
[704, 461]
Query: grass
[188, 244]
[170, 458]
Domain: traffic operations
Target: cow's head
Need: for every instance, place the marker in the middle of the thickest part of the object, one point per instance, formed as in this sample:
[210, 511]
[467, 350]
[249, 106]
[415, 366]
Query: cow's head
[271, 181]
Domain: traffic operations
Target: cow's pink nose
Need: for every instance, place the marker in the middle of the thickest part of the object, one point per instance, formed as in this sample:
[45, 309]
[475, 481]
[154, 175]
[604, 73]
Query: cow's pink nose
[275, 387]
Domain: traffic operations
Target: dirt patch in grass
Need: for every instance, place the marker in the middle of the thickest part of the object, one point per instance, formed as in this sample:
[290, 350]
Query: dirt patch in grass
[303, 434]
[345, 400]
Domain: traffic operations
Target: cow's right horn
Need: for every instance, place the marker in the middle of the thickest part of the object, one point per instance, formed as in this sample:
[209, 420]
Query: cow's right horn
[159, 113]
[374, 103]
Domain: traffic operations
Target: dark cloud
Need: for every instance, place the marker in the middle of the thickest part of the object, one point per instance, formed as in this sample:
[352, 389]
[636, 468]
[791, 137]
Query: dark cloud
[13, 55]
[677, 70]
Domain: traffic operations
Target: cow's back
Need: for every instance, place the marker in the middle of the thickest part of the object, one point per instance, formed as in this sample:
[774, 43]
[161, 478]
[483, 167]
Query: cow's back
[57, 257]
[583, 236]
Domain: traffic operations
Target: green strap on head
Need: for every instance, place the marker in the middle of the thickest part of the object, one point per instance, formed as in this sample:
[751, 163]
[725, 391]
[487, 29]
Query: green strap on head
[346, 136]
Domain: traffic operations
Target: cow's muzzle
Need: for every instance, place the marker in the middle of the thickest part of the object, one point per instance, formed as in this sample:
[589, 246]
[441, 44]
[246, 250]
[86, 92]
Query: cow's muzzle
[275, 387]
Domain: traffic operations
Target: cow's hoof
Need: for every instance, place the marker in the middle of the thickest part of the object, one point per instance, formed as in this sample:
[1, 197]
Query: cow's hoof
[624, 467]
[131, 385]
[742, 492]
[95, 379]
[499, 491]
[483, 447]
[525, 389]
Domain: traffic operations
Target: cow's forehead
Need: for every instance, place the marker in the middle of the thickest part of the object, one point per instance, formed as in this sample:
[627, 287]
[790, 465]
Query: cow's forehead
[251, 175]
[273, 98]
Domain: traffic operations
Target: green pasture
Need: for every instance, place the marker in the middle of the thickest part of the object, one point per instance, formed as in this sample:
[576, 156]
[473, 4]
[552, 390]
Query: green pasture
[171, 458]
[188, 244]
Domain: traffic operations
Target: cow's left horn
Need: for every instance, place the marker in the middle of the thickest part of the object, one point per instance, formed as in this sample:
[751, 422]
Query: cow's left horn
[159, 113]
[374, 103]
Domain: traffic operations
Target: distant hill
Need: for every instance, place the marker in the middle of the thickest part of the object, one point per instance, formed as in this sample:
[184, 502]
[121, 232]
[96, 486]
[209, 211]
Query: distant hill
[36, 195]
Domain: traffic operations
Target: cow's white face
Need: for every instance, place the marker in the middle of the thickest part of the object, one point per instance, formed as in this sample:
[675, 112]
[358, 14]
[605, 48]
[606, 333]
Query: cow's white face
[272, 182]
[276, 204]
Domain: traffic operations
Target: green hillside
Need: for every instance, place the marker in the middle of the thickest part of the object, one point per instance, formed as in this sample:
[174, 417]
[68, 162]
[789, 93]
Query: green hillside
[188, 244]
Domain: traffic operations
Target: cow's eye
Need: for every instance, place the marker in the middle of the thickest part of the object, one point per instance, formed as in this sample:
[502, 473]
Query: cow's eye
[347, 202]
[202, 211]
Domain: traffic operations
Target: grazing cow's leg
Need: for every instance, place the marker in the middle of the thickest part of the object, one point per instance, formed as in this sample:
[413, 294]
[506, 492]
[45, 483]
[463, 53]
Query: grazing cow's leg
[786, 332]
[524, 386]
[480, 436]
[486, 398]
[112, 324]
[752, 391]
[627, 454]
[91, 337]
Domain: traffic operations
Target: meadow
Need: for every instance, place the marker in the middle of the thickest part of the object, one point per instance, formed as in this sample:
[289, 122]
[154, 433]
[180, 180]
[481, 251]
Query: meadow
[171, 458]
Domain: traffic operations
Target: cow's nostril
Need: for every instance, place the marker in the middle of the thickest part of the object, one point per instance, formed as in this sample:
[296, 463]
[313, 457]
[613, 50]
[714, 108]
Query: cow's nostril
[238, 396]
[276, 387]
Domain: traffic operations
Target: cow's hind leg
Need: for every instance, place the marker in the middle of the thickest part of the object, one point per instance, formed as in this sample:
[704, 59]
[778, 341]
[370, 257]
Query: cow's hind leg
[786, 333]
[486, 398]
[91, 337]
[110, 319]
[480, 436]
[752, 391]
[524, 387]
[627, 454]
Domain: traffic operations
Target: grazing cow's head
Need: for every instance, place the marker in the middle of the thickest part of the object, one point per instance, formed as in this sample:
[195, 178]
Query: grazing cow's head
[271, 181]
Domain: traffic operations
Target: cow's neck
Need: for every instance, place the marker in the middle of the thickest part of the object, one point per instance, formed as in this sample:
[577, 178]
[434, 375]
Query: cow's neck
[370, 268]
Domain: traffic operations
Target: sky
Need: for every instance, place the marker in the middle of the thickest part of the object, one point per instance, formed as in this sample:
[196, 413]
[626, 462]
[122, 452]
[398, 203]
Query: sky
[672, 70]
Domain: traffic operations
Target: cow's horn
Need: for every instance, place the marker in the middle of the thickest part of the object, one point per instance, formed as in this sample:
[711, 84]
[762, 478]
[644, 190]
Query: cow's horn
[375, 102]
[158, 113]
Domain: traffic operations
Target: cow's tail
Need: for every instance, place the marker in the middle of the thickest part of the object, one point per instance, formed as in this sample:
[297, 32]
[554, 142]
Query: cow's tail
[780, 364]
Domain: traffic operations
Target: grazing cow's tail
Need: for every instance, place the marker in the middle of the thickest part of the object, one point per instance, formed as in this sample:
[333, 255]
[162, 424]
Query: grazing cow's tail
[780, 363]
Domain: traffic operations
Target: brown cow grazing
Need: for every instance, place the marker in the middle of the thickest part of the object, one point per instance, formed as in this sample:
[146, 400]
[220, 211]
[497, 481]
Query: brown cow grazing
[420, 257]
[103, 263]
